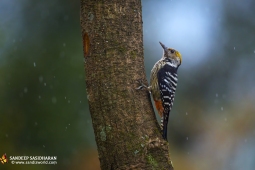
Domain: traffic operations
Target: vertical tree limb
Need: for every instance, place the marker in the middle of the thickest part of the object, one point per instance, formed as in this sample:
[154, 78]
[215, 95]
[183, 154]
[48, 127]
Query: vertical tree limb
[127, 133]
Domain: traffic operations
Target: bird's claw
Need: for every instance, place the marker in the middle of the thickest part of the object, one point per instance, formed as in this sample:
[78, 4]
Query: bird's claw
[141, 85]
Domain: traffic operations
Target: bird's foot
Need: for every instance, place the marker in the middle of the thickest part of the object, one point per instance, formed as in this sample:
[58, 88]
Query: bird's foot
[141, 85]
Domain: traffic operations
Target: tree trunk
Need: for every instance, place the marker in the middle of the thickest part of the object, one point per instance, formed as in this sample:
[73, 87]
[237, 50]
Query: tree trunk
[127, 133]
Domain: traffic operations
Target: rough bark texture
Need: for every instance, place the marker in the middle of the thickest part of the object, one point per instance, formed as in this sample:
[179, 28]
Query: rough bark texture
[127, 133]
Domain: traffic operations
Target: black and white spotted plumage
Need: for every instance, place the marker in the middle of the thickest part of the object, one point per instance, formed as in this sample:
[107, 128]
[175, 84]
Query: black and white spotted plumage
[167, 82]
[163, 83]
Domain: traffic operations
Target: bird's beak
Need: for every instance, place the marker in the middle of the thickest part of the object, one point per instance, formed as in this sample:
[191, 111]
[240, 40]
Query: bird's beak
[163, 46]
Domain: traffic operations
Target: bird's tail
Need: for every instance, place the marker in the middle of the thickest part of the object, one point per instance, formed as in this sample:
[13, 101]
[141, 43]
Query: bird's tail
[164, 122]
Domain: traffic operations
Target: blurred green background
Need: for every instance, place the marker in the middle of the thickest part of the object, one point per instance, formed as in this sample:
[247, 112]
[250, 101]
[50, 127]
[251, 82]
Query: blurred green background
[43, 101]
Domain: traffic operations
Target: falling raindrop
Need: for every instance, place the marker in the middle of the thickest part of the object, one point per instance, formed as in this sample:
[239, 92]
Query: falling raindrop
[41, 79]
[25, 90]
[54, 100]
[34, 64]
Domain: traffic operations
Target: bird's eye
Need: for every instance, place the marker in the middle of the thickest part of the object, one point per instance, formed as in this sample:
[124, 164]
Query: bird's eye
[172, 51]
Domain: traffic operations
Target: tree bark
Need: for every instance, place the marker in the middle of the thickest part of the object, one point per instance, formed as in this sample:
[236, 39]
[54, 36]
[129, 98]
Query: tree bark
[126, 130]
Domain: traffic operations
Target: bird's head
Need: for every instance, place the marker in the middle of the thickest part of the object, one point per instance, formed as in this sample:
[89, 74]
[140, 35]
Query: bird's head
[174, 55]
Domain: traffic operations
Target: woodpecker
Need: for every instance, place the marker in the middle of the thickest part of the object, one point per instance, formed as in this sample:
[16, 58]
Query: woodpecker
[163, 83]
